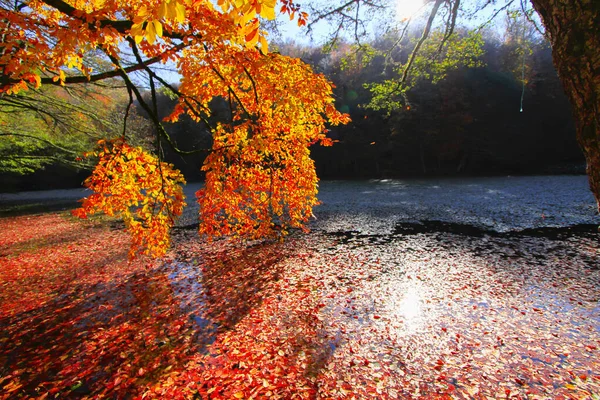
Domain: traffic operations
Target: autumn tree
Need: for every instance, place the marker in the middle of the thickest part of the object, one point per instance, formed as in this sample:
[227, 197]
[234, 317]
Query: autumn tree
[259, 177]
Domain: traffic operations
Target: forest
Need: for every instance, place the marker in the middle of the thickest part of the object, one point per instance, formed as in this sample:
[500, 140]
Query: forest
[467, 123]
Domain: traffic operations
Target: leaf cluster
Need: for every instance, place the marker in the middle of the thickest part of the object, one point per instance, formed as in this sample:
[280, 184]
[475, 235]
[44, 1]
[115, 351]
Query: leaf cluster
[259, 168]
[135, 186]
[437, 57]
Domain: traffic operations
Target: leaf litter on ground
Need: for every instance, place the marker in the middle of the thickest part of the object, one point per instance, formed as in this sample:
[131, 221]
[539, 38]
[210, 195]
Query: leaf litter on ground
[427, 315]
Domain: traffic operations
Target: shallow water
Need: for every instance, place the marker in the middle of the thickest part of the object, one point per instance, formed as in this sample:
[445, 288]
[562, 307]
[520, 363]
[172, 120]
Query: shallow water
[377, 206]
[415, 316]
[368, 305]
[498, 203]
[425, 287]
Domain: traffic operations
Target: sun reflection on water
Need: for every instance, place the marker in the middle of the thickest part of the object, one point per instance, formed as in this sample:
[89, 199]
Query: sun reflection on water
[410, 306]
[407, 304]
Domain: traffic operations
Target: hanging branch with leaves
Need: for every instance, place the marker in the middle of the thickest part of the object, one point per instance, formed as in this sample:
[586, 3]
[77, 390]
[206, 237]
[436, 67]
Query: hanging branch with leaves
[260, 178]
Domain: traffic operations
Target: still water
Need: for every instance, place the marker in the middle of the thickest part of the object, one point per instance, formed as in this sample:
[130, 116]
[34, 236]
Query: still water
[498, 313]
[499, 203]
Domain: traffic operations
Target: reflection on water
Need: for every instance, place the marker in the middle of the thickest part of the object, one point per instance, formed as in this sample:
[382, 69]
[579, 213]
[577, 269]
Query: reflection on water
[406, 304]
[186, 283]
[499, 204]
[422, 310]
[410, 306]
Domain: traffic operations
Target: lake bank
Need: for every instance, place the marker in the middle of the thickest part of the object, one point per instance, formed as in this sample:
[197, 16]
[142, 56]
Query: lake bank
[377, 206]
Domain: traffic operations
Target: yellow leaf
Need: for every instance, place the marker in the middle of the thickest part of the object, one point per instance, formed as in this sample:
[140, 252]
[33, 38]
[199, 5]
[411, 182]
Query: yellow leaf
[268, 10]
[158, 28]
[162, 9]
[180, 11]
[143, 11]
[137, 29]
[38, 80]
[171, 10]
[239, 395]
[570, 386]
[150, 32]
[247, 17]
[264, 46]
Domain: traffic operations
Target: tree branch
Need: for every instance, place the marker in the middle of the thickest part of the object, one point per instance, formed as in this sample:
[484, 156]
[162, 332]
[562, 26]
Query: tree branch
[121, 26]
[495, 14]
[185, 98]
[450, 26]
[41, 140]
[415, 51]
[147, 109]
[114, 73]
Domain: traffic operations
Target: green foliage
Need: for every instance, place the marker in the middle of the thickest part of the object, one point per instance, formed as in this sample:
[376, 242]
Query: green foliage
[436, 58]
[459, 51]
[388, 96]
[56, 125]
[466, 122]
[358, 57]
[521, 38]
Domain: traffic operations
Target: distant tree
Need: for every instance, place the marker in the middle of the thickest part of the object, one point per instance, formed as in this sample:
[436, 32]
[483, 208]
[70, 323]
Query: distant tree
[468, 122]
[55, 125]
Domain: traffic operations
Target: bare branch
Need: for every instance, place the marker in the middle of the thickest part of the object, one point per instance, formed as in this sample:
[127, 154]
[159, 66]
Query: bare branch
[507, 5]
[451, 25]
[155, 120]
[330, 13]
[532, 21]
[415, 51]
[185, 98]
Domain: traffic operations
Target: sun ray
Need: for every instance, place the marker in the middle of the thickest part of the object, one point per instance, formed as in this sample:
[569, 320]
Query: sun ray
[407, 8]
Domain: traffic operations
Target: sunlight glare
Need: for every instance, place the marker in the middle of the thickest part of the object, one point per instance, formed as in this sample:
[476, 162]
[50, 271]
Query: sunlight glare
[406, 8]
[410, 306]
[407, 304]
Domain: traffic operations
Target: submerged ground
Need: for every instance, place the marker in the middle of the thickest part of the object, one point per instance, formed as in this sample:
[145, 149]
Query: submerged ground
[366, 306]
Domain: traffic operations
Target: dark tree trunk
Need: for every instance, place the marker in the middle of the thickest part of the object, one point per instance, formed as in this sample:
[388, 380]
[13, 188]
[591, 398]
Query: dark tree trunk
[574, 30]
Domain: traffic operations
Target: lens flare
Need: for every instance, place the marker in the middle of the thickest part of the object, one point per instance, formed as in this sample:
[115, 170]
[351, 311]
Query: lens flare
[407, 8]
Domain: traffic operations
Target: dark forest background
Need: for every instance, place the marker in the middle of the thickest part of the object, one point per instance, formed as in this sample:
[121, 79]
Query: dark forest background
[468, 123]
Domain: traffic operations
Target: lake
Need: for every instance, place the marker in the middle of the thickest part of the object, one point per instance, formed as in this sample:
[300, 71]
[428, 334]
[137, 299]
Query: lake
[378, 206]
[358, 308]
[497, 203]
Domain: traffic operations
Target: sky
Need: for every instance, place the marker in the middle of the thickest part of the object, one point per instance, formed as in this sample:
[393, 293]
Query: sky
[402, 10]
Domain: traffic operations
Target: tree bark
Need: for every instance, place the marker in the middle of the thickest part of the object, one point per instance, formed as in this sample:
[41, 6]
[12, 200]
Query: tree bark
[574, 30]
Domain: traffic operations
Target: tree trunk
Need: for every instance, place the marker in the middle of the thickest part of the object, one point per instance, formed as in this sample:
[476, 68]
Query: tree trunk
[574, 30]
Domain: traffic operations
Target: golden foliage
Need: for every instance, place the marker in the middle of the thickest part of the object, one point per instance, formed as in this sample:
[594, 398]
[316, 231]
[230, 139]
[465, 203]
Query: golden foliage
[260, 178]
[135, 186]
